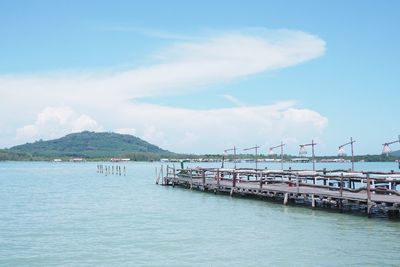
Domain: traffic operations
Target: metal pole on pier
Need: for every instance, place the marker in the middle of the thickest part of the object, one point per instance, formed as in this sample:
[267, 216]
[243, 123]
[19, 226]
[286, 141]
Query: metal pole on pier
[271, 152]
[341, 151]
[303, 151]
[352, 153]
[282, 154]
[234, 154]
[313, 155]
[386, 148]
[256, 150]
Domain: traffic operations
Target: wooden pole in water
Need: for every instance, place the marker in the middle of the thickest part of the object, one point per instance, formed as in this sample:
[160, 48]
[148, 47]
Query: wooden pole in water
[162, 175]
[312, 201]
[191, 178]
[297, 184]
[369, 204]
[368, 187]
[286, 199]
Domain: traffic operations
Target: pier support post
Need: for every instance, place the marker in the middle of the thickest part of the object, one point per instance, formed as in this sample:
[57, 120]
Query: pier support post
[234, 179]
[164, 181]
[286, 199]
[191, 179]
[341, 184]
[297, 184]
[312, 201]
[369, 202]
[157, 177]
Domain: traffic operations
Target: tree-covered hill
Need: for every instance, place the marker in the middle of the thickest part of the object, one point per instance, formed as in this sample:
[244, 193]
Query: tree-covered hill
[395, 153]
[89, 144]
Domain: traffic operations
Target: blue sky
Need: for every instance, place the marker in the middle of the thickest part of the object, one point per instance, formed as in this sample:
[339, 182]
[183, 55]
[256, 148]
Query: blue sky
[347, 85]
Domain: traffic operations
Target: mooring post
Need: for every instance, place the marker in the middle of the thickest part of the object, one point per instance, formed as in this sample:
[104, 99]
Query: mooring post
[164, 181]
[312, 201]
[341, 185]
[191, 179]
[368, 187]
[369, 202]
[203, 177]
[218, 177]
[286, 199]
[297, 184]
[233, 183]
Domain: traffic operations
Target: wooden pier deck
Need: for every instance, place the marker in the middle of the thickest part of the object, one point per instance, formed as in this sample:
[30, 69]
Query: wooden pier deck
[370, 193]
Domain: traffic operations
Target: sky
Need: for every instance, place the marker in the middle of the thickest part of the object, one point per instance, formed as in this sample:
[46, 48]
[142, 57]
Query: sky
[202, 76]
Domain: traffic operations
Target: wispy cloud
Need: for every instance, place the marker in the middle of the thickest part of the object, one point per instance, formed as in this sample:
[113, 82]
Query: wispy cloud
[233, 100]
[183, 67]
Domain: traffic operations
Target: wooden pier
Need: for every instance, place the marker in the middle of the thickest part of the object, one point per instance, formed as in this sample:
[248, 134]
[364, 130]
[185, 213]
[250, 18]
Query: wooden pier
[371, 193]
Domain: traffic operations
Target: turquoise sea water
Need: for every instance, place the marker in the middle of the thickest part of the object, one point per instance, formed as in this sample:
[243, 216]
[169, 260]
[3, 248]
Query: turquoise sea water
[66, 214]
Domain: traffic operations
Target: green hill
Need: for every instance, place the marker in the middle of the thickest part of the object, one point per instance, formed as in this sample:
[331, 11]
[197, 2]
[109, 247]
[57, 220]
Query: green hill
[395, 153]
[90, 144]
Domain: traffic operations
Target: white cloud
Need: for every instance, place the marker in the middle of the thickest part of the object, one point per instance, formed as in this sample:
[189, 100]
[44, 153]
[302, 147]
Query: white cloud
[185, 66]
[54, 122]
[212, 130]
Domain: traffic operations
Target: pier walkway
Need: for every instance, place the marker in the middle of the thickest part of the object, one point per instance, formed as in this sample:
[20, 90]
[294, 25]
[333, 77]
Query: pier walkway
[372, 193]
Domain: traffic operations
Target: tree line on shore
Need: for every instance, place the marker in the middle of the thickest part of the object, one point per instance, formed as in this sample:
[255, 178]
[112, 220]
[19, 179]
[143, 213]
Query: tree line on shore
[8, 155]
